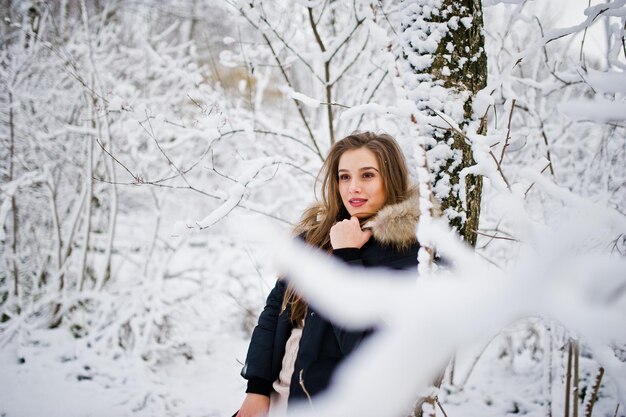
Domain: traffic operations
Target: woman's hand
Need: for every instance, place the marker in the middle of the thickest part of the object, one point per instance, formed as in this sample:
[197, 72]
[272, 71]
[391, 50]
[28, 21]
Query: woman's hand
[348, 234]
[255, 405]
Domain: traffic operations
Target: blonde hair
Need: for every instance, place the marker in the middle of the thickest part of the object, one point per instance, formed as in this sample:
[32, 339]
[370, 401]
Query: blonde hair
[314, 226]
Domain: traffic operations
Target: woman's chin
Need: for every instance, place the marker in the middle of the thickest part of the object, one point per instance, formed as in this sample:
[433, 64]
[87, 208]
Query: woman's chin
[362, 215]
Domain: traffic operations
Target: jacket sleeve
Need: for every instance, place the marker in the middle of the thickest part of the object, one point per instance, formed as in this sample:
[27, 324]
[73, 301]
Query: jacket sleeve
[349, 340]
[351, 256]
[258, 367]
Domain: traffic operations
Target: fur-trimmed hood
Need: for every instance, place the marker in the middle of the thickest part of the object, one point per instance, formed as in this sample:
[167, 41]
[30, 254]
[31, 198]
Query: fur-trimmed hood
[395, 224]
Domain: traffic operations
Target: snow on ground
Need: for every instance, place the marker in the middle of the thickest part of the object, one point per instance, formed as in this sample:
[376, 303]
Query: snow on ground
[52, 373]
[59, 378]
[55, 377]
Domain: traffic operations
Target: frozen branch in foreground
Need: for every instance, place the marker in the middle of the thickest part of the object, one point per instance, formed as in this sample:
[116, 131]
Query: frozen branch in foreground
[421, 322]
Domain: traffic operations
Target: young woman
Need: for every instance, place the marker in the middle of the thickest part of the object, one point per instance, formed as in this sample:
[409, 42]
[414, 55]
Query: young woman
[366, 217]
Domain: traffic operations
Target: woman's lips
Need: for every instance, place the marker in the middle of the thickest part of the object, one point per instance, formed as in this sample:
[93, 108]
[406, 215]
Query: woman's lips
[357, 202]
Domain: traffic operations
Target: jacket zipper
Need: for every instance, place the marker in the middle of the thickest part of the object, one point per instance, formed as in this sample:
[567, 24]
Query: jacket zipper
[301, 382]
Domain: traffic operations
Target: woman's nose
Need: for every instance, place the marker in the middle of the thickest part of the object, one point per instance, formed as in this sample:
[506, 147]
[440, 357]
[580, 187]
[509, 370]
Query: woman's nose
[355, 187]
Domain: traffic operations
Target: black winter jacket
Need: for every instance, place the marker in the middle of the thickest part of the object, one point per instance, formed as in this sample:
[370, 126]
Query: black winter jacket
[324, 345]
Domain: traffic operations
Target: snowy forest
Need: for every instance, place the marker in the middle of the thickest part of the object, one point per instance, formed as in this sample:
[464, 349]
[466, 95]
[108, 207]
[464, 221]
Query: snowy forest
[155, 155]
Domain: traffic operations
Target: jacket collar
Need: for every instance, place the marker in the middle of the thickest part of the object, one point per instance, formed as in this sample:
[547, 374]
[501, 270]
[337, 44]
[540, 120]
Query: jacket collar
[395, 224]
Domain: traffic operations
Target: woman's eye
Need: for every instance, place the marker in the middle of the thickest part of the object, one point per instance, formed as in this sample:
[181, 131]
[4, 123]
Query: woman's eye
[368, 175]
[344, 177]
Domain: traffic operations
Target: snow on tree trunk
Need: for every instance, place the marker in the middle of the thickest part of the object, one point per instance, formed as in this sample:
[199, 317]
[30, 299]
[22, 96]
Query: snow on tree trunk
[443, 64]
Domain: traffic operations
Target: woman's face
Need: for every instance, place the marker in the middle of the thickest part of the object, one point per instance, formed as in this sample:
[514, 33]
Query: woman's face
[360, 183]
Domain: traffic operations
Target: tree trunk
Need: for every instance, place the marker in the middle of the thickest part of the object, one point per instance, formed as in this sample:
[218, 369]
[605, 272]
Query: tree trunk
[443, 64]
[568, 379]
[576, 378]
[113, 205]
[82, 270]
[548, 372]
[444, 80]
[13, 201]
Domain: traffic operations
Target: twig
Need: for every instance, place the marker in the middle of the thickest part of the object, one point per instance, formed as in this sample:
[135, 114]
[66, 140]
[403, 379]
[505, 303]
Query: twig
[212, 61]
[297, 103]
[286, 77]
[594, 392]
[483, 120]
[140, 180]
[171, 177]
[336, 104]
[495, 116]
[356, 58]
[153, 136]
[582, 77]
[358, 23]
[452, 127]
[380, 82]
[382, 9]
[202, 109]
[237, 301]
[545, 54]
[494, 236]
[271, 216]
[624, 42]
[249, 70]
[440, 407]
[562, 35]
[531, 185]
[545, 140]
[264, 132]
[452, 366]
[68, 59]
[508, 133]
[491, 240]
[256, 267]
[615, 243]
[137, 178]
[284, 42]
[217, 172]
[499, 167]
[157, 184]
[490, 261]
[329, 87]
[474, 362]
[324, 8]
[245, 184]
[313, 24]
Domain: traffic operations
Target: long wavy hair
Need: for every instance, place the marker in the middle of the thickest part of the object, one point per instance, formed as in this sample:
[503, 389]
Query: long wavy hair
[314, 226]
